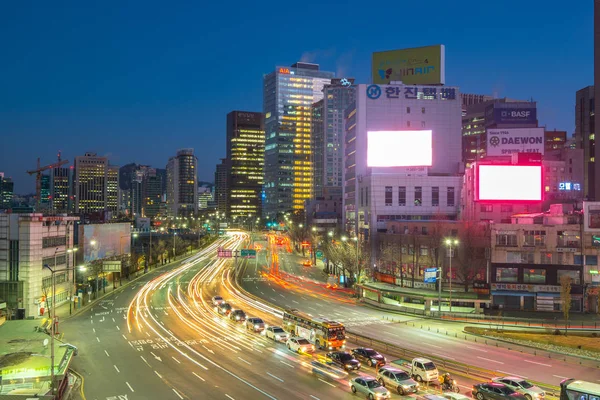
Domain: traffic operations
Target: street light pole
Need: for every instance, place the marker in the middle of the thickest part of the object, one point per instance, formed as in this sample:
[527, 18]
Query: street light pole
[174, 255]
[451, 242]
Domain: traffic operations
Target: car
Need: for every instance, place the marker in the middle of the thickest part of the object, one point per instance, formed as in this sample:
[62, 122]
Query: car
[369, 356]
[217, 300]
[237, 315]
[344, 360]
[327, 371]
[495, 391]
[299, 344]
[369, 386]
[255, 324]
[224, 308]
[276, 333]
[307, 263]
[394, 378]
[454, 396]
[530, 391]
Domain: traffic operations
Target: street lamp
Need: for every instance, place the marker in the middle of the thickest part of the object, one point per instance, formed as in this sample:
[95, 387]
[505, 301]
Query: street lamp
[72, 250]
[174, 255]
[450, 243]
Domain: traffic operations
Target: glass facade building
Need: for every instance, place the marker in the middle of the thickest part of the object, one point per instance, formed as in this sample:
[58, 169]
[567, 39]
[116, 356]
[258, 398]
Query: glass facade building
[288, 96]
[182, 184]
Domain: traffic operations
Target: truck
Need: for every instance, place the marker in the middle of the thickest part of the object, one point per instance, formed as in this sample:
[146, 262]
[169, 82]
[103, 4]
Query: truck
[420, 369]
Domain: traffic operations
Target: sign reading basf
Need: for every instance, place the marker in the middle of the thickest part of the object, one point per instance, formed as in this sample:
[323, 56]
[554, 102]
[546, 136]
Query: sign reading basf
[508, 116]
[504, 142]
[509, 183]
[399, 148]
[416, 66]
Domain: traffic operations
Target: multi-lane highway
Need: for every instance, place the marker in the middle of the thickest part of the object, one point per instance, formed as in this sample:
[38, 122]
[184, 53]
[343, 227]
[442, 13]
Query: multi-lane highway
[313, 298]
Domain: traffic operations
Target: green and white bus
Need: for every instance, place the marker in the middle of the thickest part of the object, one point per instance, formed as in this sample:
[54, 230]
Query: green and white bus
[573, 389]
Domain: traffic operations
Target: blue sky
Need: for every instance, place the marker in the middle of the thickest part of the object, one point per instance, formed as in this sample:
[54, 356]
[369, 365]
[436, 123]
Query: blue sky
[137, 80]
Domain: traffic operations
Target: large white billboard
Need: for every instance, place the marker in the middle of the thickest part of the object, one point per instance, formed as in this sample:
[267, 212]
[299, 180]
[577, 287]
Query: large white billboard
[104, 240]
[399, 148]
[504, 142]
[512, 183]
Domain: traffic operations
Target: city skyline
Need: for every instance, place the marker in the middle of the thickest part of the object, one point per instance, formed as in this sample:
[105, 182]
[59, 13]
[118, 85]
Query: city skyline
[132, 94]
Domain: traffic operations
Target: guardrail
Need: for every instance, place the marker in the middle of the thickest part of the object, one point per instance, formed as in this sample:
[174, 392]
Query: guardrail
[396, 351]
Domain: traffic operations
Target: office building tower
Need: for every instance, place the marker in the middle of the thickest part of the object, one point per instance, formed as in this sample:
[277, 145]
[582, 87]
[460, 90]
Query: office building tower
[182, 184]
[61, 189]
[112, 191]
[162, 174]
[90, 183]
[594, 180]
[222, 186]
[288, 96]
[498, 113]
[585, 137]
[45, 192]
[245, 152]
[328, 137]
[6, 191]
[152, 194]
[554, 140]
[27, 243]
[204, 197]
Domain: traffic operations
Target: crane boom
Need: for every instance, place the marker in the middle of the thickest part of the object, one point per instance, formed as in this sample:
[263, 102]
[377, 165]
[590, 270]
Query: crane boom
[38, 177]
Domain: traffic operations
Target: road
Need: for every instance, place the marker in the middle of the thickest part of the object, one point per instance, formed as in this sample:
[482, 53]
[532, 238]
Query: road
[366, 321]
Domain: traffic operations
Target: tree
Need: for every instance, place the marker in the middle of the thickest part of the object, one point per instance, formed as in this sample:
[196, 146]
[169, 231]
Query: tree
[470, 252]
[565, 297]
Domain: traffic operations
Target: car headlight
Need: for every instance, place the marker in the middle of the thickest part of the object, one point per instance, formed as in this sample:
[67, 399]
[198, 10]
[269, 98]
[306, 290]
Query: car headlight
[277, 337]
[237, 318]
[255, 326]
[348, 366]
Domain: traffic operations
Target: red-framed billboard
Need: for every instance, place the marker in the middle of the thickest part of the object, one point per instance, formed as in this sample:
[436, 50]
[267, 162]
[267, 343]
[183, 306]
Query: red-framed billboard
[509, 183]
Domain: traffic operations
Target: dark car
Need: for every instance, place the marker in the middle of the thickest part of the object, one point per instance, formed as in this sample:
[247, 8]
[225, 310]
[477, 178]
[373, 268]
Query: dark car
[495, 391]
[369, 356]
[238, 315]
[224, 308]
[344, 360]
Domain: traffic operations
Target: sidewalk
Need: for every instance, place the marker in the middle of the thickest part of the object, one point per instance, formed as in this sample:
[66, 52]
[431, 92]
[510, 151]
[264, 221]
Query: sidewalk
[67, 309]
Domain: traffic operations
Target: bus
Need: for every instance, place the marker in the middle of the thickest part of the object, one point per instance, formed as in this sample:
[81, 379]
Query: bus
[323, 333]
[573, 389]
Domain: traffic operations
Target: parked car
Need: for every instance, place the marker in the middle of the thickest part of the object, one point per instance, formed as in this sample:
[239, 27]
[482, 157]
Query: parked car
[495, 391]
[237, 315]
[394, 378]
[217, 300]
[344, 360]
[276, 333]
[520, 385]
[369, 356]
[299, 344]
[255, 324]
[224, 308]
[307, 263]
[369, 386]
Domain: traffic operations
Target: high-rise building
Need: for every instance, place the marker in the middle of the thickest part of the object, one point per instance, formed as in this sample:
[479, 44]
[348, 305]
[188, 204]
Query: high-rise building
[328, 137]
[288, 96]
[182, 184]
[585, 138]
[162, 174]
[498, 113]
[204, 196]
[245, 152]
[152, 194]
[222, 185]
[554, 140]
[112, 190]
[594, 180]
[45, 191]
[61, 189]
[96, 186]
[6, 191]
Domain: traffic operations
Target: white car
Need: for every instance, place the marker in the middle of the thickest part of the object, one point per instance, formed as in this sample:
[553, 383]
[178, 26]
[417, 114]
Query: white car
[217, 300]
[276, 333]
[299, 344]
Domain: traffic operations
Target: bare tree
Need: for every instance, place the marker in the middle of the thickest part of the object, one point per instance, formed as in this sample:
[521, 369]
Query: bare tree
[565, 297]
[470, 252]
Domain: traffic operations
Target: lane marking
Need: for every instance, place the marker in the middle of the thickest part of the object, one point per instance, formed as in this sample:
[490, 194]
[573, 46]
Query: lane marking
[157, 374]
[330, 384]
[129, 386]
[118, 328]
[443, 356]
[124, 337]
[244, 360]
[199, 377]
[487, 359]
[475, 348]
[288, 364]
[106, 352]
[561, 377]
[116, 368]
[538, 363]
[315, 397]
[145, 360]
[511, 374]
[97, 338]
[273, 376]
[94, 329]
[229, 397]
[178, 362]
[177, 393]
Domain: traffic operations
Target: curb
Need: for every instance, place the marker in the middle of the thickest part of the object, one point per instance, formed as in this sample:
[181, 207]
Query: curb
[597, 360]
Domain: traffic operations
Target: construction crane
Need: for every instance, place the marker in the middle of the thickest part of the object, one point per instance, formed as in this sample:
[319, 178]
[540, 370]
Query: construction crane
[38, 177]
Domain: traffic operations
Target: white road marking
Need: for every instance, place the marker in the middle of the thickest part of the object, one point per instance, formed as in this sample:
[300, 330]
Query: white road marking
[114, 320]
[244, 361]
[229, 397]
[332, 385]
[199, 377]
[443, 356]
[288, 364]
[94, 329]
[561, 377]
[145, 360]
[538, 363]
[118, 328]
[116, 368]
[124, 337]
[475, 348]
[487, 359]
[178, 362]
[129, 386]
[157, 374]
[273, 376]
[315, 397]
[106, 352]
[294, 301]
[511, 374]
[97, 338]
[178, 395]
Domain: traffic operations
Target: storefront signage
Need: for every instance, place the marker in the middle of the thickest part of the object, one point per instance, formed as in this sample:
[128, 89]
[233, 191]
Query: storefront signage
[526, 288]
[284, 70]
[411, 92]
[596, 241]
[430, 275]
[568, 186]
[566, 250]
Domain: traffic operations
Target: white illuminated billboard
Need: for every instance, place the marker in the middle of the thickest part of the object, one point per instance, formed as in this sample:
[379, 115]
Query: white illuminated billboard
[399, 148]
[514, 183]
